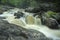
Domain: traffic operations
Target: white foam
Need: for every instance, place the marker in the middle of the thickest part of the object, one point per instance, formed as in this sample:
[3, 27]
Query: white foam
[55, 34]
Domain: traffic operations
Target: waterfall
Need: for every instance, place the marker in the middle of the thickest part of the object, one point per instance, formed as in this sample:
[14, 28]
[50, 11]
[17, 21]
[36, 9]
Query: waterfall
[28, 21]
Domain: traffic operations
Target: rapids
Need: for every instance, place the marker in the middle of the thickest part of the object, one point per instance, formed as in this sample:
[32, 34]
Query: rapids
[28, 21]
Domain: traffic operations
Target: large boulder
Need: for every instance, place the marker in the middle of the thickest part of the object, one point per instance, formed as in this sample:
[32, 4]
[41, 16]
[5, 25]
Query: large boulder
[13, 32]
[50, 19]
[51, 23]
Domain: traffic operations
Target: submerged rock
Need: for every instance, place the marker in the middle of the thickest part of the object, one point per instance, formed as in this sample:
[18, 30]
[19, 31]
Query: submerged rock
[13, 32]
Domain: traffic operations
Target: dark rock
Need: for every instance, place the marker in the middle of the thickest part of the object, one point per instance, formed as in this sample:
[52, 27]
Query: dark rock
[10, 31]
[13, 32]
[4, 8]
[51, 19]
[51, 23]
[1, 12]
[19, 14]
[54, 15]
[2, 18]
[57, 17]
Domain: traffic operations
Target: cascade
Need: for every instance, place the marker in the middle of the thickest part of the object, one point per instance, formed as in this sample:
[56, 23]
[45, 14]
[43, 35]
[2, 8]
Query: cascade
[28, 21]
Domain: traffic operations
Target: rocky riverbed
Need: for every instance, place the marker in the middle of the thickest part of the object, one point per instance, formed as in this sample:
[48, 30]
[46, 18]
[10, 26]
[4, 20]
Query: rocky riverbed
[13, 32]
[21, 25]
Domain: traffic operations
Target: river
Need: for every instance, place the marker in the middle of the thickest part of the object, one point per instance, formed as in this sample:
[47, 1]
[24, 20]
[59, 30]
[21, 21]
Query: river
[28, 21]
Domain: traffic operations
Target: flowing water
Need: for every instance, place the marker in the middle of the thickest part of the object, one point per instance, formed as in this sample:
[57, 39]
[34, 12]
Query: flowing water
[28, 21]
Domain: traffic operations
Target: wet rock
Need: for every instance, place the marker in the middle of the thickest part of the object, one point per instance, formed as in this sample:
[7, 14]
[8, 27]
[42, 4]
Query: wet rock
[3, 38]
[51, 23]
[19, 14]
[2, 18]
[4, 8]
[10, 31]
[13, 32]
[36, 35]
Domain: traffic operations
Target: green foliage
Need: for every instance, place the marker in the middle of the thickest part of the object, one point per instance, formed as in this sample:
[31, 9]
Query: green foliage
[16, 3]
[13, 2]
[20, 3]
[3, 1]
[33, 4]
[50, 14]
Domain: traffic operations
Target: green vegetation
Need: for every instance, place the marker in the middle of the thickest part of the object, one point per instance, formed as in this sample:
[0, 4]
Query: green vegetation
[44, 5]
[50, 14]
[33, 3]
[17, 3]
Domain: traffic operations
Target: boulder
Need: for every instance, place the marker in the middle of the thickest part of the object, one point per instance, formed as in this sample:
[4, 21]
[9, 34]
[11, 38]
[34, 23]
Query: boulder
[51, 19]
[13, 32]
[36, 35]
[53, 15]
[51, 23]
